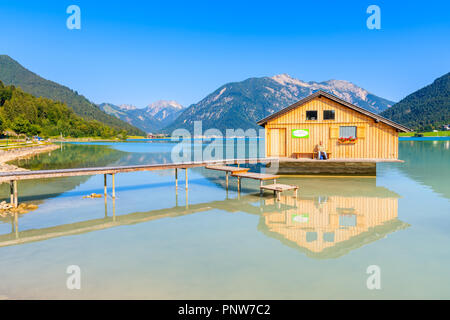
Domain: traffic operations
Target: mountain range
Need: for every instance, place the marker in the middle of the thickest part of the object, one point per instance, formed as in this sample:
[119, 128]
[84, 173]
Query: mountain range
[236, 104]
[152, 118]
[241, 104]
[426, 109]
[12, 73]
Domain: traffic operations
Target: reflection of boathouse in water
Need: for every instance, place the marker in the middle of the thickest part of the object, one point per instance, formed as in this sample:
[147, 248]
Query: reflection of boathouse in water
[332, 225]
[329, 219]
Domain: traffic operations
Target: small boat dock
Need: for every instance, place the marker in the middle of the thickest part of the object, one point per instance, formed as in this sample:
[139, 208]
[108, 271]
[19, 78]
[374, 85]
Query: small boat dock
[242, 173]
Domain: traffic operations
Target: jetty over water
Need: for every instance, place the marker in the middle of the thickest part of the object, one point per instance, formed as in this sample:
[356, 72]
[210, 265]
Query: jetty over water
[14, 177]
[45, 174]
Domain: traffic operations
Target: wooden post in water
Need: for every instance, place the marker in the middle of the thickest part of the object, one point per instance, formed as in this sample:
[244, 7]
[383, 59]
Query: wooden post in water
[176, 178]
[113, 186]
[16, 197]
[186, 170]
[106, 207]
[226, 179]
[11, 192]
[105, 184]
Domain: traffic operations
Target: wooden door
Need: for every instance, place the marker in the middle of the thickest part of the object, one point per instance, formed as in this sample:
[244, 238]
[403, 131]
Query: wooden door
[277, 139]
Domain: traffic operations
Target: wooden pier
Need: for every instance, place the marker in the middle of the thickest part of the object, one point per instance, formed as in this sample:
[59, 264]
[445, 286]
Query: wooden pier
[278, 188]
[228, 170]
[14, 177]
[255, 176]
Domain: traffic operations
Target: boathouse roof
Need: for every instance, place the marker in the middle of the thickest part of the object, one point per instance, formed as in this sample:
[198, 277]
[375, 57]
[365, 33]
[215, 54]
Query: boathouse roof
[321, 93]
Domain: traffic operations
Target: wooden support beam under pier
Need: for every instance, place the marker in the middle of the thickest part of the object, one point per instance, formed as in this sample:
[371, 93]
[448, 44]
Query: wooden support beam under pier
[16, 197]
[105, 185]
[176, 178]
[278, 188]
[11, 192]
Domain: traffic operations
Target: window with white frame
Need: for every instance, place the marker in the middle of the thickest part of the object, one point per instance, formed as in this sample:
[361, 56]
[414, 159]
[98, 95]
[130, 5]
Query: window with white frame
[347, 132]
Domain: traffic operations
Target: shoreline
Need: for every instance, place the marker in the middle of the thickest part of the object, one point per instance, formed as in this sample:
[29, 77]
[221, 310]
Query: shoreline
[21, 153]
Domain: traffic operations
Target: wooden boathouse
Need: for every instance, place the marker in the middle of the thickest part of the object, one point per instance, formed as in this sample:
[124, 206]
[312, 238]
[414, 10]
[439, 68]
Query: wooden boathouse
[355, 139]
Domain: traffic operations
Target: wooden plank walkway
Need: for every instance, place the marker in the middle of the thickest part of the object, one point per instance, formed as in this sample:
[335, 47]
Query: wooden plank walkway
[278, 188]
[44, 174]
[14, 177]
[228, 170]
[255, 176]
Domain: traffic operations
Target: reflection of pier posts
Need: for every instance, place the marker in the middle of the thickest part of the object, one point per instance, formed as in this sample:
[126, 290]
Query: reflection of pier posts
[114, 209]
[187, 199]
[106, 207]
[113, 186]
[226, 179]
[16, 224]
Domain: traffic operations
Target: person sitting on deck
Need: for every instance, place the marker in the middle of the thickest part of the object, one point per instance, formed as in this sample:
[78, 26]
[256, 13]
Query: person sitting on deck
[321, 152]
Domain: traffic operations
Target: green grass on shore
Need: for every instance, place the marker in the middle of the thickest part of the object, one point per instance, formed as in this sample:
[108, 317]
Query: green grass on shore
[425, 134]
[14, 146]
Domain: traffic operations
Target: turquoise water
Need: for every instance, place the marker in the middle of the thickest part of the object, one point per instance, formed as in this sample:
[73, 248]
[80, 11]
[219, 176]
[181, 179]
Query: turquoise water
[155, 242]
[446, 138]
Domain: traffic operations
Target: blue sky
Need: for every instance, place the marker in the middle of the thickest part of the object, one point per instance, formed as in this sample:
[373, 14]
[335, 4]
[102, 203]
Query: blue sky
[183, 50]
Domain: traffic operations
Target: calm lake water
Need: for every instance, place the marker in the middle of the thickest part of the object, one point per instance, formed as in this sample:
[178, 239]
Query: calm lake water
[155, 243]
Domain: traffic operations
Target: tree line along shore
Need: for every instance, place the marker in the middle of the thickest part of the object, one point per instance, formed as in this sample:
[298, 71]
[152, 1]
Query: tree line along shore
[24, 114]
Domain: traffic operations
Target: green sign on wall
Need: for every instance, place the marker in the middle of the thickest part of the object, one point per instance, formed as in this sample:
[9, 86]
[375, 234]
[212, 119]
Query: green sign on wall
[300, 133]
[300, 218]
